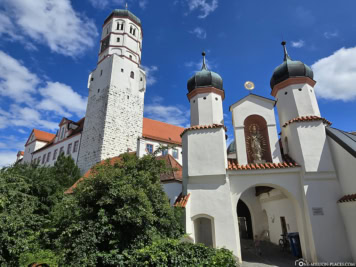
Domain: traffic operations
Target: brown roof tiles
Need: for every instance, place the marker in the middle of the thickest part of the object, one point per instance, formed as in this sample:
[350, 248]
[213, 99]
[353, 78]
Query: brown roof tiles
[198, 127]
[348, 198]
[161, 131]
[307, 118]
[288, 163]
[181, 201]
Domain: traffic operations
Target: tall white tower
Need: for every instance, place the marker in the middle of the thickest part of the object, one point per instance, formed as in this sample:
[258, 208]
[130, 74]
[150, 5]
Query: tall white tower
[114, 114]
[303, 129]
[304, 139]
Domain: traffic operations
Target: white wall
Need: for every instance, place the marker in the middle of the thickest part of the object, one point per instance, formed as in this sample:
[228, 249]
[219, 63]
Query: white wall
[348, 211]
[172, 190]
[141, 148]
[278, 205]
[204, 152]
[64, 143]
[345, 165]
[206, 109]
[30, 148]
[254, 105]
[296, 103]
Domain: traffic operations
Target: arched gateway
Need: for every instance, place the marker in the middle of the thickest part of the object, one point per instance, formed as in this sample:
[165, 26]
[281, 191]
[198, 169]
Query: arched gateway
[294, 192]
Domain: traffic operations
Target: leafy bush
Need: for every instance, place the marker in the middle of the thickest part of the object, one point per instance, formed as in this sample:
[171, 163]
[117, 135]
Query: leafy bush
[39, 256]
[175, 253]
[28, 194]
[118, 207]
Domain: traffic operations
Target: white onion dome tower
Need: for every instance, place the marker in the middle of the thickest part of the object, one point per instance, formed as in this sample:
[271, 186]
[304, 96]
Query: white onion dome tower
[205, 78]
[205, 94]
[290, 69]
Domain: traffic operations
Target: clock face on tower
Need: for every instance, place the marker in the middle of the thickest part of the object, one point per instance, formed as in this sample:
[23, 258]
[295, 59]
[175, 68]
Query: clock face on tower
[105, 44]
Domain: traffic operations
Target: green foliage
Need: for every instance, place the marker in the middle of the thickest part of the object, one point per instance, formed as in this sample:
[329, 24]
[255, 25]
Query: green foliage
[39, 256]
[174, 253]
[120, 207]
[120, 216]
[28, 194]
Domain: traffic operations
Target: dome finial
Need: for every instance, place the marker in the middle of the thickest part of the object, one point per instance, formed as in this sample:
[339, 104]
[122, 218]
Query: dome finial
[204, 65]
[286, 56]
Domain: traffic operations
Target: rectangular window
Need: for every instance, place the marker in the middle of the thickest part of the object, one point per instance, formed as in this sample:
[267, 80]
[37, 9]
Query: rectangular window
[149, 148]
[101, 72]
[48, 156]
[175, 153]
[164, 151]
[118, 39]
[43, 158]
[61, 150]
[39, 160]
[55, 154]
[69, 148]
[76, 146]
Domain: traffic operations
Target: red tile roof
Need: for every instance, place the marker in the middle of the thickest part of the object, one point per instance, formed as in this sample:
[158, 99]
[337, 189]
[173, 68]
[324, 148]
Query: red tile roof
[41, 136]
[348, 198]
[198, 127]
[181, 201]
[307, 118]
[233, 165]
[173, 175]
[161, 131]
[175, 169]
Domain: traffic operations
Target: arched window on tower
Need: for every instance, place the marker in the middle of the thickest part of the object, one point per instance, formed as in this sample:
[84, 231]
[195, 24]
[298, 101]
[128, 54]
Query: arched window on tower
[132, 75]
[120, 26]
[257, 140]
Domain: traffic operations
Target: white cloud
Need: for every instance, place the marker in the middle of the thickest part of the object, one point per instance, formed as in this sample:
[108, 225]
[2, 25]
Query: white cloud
[150, 78]
[298, 44]
[30, 98]
[16, 81]
[50, 22]
[199, 33]
[336, 75]
[172, 114]
[329, 35]
[204, 6]
[62, 99]
[7, 158]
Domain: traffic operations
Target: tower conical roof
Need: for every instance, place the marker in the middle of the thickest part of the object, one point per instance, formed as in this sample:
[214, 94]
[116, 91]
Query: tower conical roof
[290, 69]
[205, 78]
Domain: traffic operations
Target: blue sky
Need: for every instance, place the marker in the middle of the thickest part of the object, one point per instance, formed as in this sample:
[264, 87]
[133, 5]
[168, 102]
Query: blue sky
[49, 47]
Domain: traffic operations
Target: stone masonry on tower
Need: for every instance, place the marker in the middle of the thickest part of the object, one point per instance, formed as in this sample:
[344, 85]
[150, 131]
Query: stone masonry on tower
[113, 120]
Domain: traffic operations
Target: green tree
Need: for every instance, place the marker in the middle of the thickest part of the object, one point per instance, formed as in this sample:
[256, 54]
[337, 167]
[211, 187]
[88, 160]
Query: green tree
[118, 207]
[28, 193]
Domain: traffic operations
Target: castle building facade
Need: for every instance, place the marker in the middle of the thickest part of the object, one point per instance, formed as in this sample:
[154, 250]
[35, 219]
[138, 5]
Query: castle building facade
[263, 185]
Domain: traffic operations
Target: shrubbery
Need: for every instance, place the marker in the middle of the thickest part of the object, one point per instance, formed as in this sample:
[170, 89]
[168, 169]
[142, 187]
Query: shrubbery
[175, 253]
[119, 216]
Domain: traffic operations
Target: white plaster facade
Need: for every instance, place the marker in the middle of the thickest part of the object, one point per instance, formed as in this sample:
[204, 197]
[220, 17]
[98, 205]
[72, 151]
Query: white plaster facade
[305, 194]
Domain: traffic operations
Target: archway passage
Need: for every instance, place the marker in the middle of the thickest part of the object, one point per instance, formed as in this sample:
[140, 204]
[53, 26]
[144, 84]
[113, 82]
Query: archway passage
[245, 221]
[264, 213]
